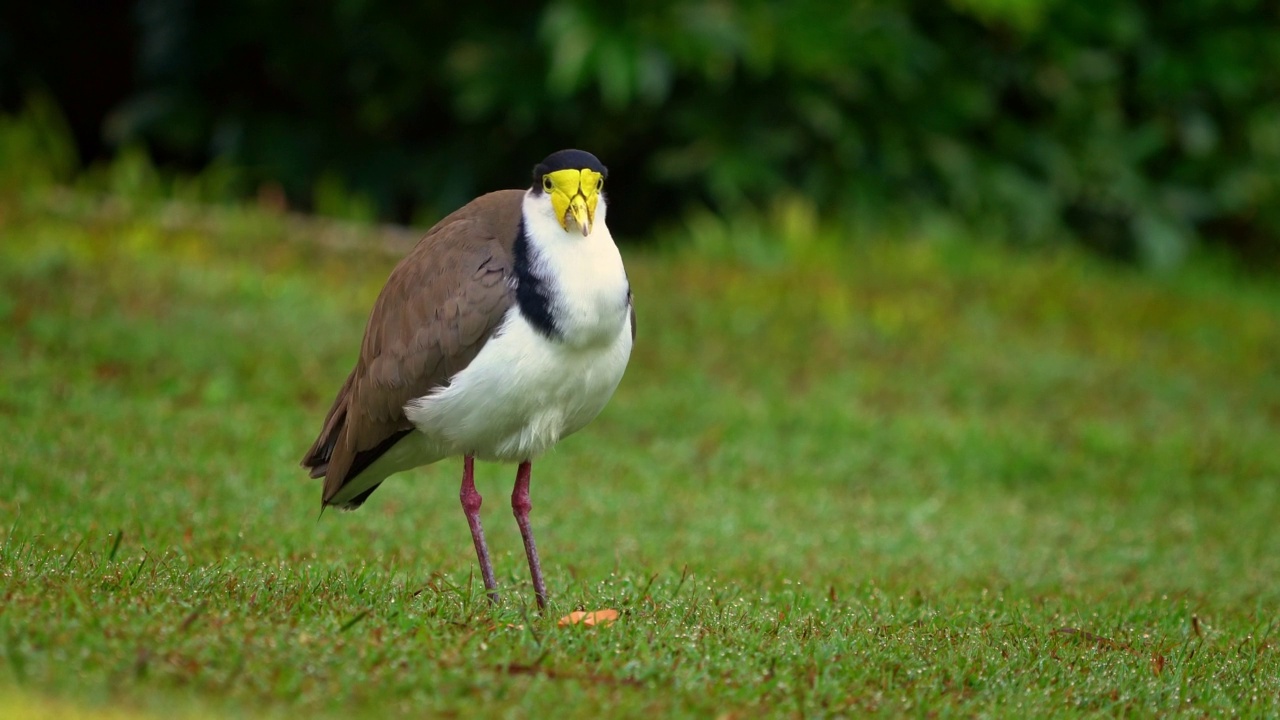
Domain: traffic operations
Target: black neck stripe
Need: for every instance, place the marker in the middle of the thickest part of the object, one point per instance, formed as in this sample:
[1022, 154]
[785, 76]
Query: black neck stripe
[533, 293]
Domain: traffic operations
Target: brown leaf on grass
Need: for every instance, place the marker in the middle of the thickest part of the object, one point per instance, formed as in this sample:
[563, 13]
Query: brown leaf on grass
[595, 617]
[1157, 663]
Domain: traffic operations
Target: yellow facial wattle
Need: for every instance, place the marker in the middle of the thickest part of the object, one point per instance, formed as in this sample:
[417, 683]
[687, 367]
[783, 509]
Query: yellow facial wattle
[574, 194]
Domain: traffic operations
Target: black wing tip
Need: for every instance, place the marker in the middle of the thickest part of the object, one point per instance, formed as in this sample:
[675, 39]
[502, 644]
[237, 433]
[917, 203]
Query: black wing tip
[359, 464]
[352, 504]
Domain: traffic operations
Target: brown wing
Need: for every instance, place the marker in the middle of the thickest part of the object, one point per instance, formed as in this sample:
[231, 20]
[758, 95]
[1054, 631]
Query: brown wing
[435, 313]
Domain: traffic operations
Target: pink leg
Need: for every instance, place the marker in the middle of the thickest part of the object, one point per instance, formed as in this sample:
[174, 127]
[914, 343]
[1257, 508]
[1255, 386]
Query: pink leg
[471, 506]
[521, 505]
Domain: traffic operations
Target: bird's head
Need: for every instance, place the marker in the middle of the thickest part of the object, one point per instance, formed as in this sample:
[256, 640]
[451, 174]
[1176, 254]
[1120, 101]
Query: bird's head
[573, 183]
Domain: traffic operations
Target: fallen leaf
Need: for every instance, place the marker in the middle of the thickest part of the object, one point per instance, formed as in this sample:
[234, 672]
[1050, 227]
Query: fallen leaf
[595, 617]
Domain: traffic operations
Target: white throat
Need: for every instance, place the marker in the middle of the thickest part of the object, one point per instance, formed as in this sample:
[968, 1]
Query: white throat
[583, 275]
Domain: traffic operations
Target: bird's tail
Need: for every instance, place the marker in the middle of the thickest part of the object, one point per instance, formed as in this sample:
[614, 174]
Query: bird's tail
[316, 461]
[331, 456]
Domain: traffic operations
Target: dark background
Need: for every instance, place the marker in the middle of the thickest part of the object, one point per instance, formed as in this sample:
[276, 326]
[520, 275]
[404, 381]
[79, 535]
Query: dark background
[1141, 129]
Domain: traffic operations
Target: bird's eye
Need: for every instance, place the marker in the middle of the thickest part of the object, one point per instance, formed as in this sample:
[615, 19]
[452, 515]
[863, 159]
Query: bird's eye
[547, 184]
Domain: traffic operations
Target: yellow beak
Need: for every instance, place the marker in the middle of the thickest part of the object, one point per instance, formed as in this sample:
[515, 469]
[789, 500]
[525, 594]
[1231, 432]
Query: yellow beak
[578, 209]
[574, 196]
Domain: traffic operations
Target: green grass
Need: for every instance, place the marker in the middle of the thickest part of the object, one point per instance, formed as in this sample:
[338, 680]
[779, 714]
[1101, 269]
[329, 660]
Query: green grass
[909, 479]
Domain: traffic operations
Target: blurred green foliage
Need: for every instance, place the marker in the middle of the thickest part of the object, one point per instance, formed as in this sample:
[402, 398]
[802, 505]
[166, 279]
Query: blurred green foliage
[1135, 127]
[35, 147]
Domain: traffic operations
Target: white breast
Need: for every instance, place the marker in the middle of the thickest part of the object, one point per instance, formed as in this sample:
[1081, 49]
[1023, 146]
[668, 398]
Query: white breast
[522, 394]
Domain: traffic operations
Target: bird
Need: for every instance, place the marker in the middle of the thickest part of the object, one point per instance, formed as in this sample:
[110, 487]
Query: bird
[504, 330]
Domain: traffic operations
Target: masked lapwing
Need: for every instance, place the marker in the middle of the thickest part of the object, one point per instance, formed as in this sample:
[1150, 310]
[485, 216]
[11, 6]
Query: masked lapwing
[506, 329]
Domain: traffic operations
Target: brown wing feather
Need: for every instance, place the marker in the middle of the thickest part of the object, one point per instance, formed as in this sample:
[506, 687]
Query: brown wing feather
[435, 313]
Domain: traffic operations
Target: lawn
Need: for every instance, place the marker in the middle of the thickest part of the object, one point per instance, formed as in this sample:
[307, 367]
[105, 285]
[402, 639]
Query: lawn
[907, 478]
